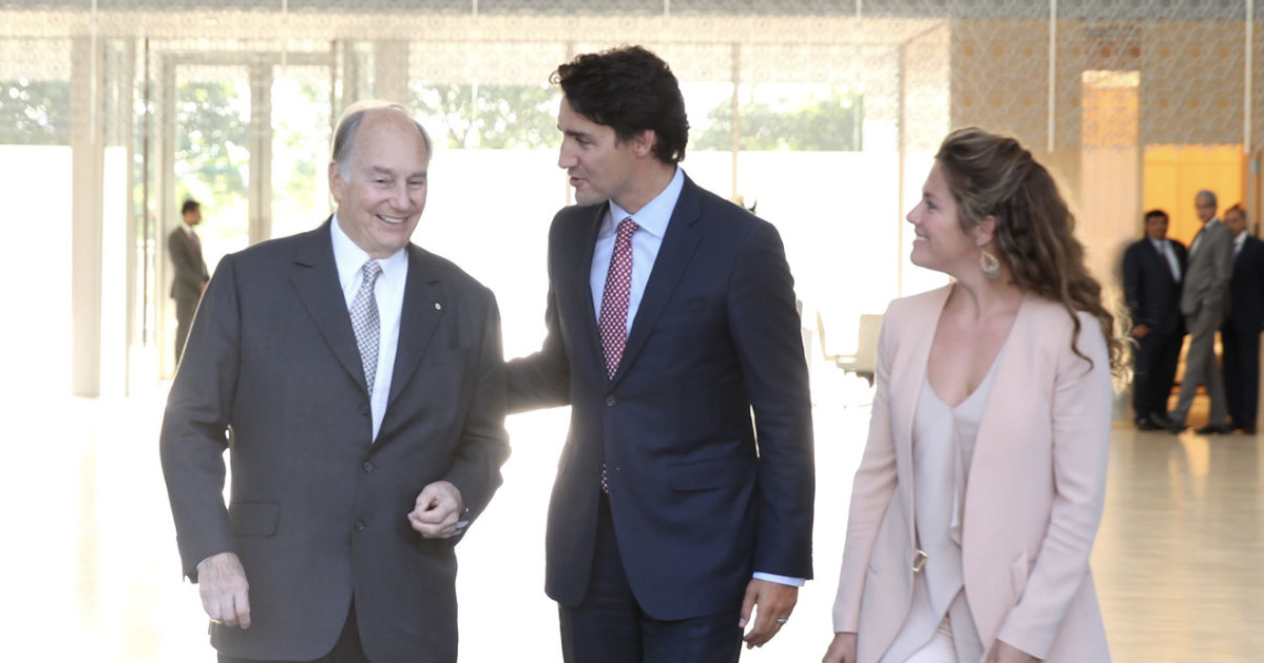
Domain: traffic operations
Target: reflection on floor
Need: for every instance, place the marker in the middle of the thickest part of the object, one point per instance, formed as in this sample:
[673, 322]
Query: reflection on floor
[94, 573]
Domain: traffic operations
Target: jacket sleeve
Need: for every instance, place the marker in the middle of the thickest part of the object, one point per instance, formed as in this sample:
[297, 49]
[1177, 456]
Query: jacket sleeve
[1216, 294]
[874, 485]
[541, 379]
[1082, 400]
[188, 270]
[766, 333]
[483, 443]
[1133, 283]
[193, 436]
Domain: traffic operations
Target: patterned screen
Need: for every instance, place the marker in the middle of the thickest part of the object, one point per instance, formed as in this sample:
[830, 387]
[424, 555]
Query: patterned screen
[821, 113]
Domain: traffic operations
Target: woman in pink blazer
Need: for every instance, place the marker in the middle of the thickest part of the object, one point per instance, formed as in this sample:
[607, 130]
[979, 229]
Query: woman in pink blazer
[973, 511]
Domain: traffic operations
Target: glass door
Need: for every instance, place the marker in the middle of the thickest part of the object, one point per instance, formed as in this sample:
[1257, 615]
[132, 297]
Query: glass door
[246, 135]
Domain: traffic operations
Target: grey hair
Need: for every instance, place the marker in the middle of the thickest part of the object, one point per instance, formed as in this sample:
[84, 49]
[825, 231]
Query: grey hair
[350, 122]
[1207, 194]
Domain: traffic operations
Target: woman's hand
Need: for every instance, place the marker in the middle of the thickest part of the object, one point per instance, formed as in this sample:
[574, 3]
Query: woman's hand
[1003, 653]
[843, 650]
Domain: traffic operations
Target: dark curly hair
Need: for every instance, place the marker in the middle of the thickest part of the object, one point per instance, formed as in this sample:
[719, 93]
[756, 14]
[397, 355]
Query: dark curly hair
[630, 90]
[993, 175]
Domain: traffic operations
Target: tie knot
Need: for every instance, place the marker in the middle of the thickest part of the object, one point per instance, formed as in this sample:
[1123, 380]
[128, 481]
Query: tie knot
[371, 270]
[625, 230]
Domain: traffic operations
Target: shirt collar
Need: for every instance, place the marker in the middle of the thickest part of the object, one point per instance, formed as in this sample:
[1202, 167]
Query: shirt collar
[349, 257]
[1211, 222]
[1241, 238]
[652, 218]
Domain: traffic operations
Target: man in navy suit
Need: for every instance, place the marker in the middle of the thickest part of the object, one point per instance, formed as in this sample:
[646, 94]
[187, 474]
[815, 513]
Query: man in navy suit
[1153, 272]
[1241, 331]
[672, 331]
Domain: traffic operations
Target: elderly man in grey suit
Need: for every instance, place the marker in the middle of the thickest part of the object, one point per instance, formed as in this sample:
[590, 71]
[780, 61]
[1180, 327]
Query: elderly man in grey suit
[1204, 302]
[356, 381]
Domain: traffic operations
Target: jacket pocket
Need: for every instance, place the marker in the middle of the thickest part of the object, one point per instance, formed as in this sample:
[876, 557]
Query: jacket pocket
[253, 518]
[708, 474]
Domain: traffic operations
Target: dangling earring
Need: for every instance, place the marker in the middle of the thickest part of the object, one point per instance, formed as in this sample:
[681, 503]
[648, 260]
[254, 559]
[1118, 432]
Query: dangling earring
[989, 264]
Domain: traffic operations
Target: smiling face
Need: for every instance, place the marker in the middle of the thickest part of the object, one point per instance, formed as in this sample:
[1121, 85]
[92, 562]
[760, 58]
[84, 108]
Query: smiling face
[382, 194]
[599, 166]
[940, 243]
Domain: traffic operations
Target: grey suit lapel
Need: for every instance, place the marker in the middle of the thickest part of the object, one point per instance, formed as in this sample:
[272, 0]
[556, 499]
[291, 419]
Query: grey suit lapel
[422, 309]
[682, 237]
[316, 281]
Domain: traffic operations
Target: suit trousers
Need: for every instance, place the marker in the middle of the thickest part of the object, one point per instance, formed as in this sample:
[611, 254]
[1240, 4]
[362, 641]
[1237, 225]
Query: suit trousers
[1241, 374]
[347, 648]
[1201, 368]
[609, 626]
[1155, 372]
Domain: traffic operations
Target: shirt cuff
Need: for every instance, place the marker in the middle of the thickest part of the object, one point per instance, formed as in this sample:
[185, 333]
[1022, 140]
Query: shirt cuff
[782, 580]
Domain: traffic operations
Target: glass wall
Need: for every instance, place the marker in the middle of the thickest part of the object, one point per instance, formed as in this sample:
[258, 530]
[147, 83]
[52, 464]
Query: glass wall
[821, 115]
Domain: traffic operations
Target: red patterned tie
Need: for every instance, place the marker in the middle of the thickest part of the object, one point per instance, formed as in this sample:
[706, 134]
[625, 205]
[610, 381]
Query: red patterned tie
[616, 297]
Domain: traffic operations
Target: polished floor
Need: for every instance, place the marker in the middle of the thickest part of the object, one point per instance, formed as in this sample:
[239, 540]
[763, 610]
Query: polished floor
[93, 572]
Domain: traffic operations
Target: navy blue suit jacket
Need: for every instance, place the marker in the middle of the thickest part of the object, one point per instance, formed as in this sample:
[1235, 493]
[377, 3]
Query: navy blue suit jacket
[1246, 290]
[1151, 293]
[714, 348]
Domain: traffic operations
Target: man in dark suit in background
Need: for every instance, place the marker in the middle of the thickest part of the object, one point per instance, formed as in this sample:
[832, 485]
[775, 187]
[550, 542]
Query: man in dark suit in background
[362, 380]
[1153, 271]
[1204, 302]
[671, 326]
[191, 271]
[1241, 331]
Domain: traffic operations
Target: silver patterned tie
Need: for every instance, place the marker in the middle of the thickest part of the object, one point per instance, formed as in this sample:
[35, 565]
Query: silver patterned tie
[365, 321]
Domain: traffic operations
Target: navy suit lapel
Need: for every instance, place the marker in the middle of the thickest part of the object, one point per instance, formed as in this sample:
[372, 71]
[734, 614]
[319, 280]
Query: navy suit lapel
[682, 236]
[421, 312]
[316, 280]
[584, 293]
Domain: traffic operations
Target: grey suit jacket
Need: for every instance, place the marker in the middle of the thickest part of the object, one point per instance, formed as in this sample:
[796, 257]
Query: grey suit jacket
[317, 510]
[1207, 275]
[191, 270]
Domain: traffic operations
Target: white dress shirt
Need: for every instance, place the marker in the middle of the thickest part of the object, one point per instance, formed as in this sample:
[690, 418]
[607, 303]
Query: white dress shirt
[389, 295]
[1240, 241]
[653, 221]
[1164, 247]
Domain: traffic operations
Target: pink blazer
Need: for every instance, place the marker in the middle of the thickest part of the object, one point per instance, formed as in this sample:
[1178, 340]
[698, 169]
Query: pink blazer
[1033, 499]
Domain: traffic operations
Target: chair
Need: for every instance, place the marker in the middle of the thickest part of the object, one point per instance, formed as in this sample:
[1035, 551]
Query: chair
[863, 361]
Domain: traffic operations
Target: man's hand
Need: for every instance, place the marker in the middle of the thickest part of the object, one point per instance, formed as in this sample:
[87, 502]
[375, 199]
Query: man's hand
[843, 650]
[222, 584]
[774, 604]
[1003, 653]
[437, 510]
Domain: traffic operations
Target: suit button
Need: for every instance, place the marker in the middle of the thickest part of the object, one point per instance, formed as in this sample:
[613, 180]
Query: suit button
[358, 526]
[367, 466]
[611, 401]
[364, 409]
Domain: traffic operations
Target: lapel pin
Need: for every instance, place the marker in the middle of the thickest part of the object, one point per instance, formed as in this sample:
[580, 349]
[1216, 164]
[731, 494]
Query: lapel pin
[438, 306]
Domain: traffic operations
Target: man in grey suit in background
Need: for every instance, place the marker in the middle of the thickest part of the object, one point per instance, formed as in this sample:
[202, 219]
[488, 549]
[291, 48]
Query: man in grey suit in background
[1204, 302]
[186, 252]
[360, 380]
